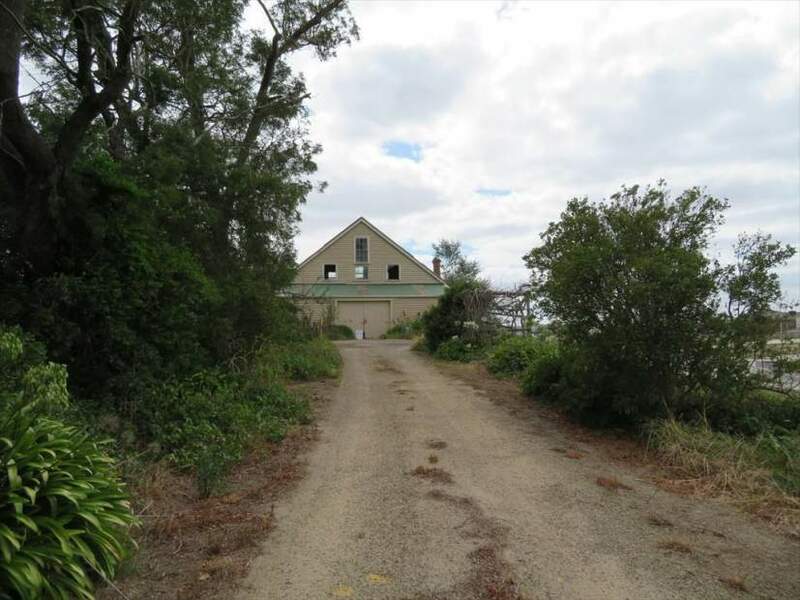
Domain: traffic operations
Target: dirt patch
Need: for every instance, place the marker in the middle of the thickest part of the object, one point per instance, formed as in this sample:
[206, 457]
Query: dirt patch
[434, 474]
[659, 521]
[194, 548]
[384, 366]
[437, 445]
[675, 546]
[490, 578]
[612, 483]
[735, 583]
[574, 454]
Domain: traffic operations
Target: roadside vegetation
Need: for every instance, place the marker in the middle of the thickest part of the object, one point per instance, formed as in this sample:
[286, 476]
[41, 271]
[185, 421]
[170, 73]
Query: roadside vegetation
[645, 332]
[406, 329]
[151, 185]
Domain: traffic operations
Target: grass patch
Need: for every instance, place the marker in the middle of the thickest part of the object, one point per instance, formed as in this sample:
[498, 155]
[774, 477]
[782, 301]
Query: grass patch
[761, 472]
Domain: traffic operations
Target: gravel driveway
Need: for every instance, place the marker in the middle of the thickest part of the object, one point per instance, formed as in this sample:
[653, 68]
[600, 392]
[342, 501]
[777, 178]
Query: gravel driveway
[421, 488]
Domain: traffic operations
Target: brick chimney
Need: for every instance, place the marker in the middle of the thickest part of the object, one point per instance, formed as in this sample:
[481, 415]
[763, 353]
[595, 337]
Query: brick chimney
[437, 267]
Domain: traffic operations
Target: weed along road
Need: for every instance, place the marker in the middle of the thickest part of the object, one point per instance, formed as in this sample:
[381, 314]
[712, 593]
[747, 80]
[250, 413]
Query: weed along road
[425, 487]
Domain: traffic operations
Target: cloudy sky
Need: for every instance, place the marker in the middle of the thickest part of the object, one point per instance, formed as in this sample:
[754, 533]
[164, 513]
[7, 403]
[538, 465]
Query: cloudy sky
[479, 120]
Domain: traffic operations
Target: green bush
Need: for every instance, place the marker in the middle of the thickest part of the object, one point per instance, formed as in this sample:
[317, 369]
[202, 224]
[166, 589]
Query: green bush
[543, 375]
[514, 354]
[205, 422]
[339, 332]
[404, 330]
[456, 349]
[754, 412]
[64, 515]
[450, 317]
[638, 300]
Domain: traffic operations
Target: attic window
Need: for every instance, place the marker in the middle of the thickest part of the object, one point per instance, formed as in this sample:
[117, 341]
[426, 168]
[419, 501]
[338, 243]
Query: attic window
[361, 271]
[362, 250]
[393, 272]
[329, 271]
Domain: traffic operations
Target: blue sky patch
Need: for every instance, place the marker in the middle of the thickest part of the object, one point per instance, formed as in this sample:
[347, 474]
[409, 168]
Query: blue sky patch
[400, 149]
[493, 191]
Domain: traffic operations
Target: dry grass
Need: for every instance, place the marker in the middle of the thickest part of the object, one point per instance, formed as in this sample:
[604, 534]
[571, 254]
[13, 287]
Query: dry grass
[437, 445]
[574, 454]
[410, 409]
[735, 583]
[675, 546]
[434, 474]
[612, 483]
[710, 463]
[433, 459]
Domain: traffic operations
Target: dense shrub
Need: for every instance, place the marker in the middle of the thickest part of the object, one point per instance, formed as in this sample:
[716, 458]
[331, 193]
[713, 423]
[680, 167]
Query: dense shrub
[339, 332]
[205, 422]
[404, 330]
[543, 375]
[754, 412]
[457, 349]
[453, 316]
[64, 515]
[514, 354]
[639, 305]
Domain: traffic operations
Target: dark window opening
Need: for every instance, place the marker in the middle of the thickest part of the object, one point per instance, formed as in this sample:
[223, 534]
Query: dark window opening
[393, 272]
[362, 250]
[330, 271]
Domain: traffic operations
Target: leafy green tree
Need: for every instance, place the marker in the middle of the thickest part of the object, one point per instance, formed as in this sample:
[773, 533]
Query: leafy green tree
[455, 265]
[640, 304]
[151, 183]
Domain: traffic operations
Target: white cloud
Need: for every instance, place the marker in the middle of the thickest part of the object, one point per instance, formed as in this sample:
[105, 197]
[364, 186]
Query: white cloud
[552, 101]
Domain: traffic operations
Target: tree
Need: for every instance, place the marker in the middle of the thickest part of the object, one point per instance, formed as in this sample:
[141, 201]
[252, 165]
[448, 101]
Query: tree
[151, 182]
[455, 266]
[639, 302]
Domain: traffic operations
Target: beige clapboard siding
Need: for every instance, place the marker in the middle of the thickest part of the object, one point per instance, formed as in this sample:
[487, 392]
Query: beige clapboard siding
[314, 311]
[404, 309]
[381, 253]
[401, 309]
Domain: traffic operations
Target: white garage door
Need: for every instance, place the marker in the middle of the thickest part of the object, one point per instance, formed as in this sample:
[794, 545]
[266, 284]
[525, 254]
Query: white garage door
[370, 317]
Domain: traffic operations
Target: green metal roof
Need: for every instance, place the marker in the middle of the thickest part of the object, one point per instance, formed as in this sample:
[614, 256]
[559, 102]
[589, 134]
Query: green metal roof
[368, 290]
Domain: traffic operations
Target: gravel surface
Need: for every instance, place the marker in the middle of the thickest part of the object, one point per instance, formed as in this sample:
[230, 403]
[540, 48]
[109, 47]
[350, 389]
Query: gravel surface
[494, 512]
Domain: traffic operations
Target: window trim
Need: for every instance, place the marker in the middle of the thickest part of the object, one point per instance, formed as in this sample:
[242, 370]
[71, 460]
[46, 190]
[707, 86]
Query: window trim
[398, 271]
[335, 270]
[364, 266]
[355, 250]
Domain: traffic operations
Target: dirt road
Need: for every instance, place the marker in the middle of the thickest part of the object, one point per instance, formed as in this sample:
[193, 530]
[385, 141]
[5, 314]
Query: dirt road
[421, 488]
